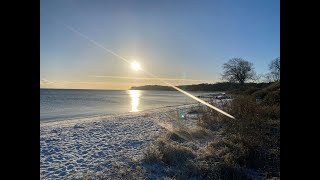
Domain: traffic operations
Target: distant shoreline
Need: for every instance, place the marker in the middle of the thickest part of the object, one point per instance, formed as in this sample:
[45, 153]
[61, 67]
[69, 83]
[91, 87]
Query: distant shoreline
[217, 87]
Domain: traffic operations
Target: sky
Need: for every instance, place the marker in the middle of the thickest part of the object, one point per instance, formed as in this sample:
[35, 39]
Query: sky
[183, 41]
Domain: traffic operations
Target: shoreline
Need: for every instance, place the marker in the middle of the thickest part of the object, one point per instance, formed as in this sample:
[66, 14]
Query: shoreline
[95, 117]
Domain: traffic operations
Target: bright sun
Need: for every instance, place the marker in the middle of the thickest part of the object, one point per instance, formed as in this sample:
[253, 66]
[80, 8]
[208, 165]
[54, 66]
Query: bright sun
[135, 66]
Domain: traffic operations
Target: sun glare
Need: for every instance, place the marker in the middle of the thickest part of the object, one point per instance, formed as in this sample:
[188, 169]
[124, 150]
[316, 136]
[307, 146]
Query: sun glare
[135, 66]
[135, 98]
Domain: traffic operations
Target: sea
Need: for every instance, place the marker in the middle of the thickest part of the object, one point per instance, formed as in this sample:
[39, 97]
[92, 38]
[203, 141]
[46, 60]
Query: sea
[62, 104]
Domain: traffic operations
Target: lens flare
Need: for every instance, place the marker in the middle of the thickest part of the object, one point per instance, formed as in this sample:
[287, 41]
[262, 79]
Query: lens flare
[136, 66]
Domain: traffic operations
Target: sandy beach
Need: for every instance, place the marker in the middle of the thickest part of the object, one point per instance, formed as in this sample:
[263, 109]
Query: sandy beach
[71, 147]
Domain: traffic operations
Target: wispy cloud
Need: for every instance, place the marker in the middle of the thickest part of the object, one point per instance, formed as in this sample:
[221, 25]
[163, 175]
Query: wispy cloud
[45, 82]
[145, 78]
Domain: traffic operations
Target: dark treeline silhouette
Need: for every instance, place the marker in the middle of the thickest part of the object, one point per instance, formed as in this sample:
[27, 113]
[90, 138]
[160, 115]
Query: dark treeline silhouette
[237, 71]
[221, 86]
[153, 87]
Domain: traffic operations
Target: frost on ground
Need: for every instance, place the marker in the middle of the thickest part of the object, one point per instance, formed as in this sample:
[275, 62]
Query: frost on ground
[73, 147]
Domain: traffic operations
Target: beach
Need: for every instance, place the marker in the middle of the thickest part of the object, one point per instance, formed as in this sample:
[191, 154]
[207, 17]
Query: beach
[72, 147]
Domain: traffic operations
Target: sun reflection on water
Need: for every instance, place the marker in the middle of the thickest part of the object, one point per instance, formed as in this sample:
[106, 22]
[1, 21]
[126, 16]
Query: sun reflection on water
[135, 100]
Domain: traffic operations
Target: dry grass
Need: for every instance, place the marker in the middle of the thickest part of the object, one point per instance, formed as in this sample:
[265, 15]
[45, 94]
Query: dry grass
[170, 152]
[257, 128]
[249, 148]
[215, 161]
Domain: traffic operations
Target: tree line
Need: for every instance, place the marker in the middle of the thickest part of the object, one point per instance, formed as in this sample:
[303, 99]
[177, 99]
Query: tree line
[238, 72]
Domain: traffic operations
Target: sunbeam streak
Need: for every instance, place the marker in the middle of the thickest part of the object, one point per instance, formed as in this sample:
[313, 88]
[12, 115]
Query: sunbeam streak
[130, 63]
[145, 78]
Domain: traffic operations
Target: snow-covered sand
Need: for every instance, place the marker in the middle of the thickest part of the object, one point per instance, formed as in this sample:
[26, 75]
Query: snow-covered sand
[71, 147]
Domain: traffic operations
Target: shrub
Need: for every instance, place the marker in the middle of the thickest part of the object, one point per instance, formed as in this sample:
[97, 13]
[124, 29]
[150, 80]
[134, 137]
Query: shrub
[244, 107]
[175, 154]
[272, 98]
[152, 154]
[251, 90]
[213, 168]
[174, 137]
[271, 112]
[167, 151]
[233, 151]
[256, 128]
[210, 119]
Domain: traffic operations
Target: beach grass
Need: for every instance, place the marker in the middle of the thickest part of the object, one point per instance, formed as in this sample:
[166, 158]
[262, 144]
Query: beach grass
[245, 148]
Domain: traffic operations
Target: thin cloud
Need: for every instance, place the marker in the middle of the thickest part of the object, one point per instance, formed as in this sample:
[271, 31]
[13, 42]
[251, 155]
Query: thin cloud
[45, 81]
[145, 78]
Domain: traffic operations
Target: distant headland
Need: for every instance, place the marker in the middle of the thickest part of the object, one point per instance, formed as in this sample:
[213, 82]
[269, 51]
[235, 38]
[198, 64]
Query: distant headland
[221, 86]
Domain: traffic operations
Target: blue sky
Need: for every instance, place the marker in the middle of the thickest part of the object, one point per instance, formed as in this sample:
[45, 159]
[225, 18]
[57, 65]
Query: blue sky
[177, 39]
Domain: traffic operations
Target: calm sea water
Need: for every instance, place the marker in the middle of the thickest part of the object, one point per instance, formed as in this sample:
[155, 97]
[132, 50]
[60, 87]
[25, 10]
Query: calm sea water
[56, 104]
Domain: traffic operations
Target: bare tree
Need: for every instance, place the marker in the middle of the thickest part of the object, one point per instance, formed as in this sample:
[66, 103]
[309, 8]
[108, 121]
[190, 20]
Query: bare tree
[274, 67]
[238, 70]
